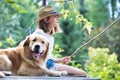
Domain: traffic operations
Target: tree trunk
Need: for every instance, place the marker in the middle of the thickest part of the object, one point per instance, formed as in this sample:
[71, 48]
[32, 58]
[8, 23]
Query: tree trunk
[113, 6]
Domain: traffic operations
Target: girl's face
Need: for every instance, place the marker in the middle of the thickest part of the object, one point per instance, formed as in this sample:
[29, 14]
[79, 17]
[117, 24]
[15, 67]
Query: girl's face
[53, 21]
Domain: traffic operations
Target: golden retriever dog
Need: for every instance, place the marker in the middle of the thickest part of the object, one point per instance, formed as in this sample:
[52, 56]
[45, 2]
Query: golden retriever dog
[28, 59]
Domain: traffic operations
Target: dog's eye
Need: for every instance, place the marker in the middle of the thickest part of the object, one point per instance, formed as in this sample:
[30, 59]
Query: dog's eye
[43, 42]
[34, 40]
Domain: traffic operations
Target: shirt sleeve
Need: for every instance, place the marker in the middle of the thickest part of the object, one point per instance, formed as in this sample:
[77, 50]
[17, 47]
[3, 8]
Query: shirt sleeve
[38, 31]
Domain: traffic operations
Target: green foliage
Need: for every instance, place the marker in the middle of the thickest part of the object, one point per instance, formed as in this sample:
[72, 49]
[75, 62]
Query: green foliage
[57, 54]
[57, 50]
[66, 10]
[10, 41]
[75, 64]
[110, 39]
[16, 7]
[13, 24]
[101, 13]
[103, 65]
[97, 12]
[1, 43]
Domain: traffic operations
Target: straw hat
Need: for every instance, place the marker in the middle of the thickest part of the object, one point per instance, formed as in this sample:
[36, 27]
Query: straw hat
[47, 11]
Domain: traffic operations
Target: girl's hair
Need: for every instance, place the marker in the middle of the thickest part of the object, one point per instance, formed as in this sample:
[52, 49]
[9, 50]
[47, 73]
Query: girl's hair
[44, 26]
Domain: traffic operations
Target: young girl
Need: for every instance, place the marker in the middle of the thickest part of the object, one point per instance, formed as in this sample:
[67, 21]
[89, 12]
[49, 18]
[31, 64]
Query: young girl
[48, 25]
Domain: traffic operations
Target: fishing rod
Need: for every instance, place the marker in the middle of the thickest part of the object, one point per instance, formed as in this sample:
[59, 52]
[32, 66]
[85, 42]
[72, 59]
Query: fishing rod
[86, 43]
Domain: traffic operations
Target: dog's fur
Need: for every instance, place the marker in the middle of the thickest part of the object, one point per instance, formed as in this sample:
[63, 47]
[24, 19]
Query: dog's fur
[28, 59]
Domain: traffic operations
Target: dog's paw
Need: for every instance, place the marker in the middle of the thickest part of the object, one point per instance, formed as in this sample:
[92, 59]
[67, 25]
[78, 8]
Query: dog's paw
[60, 73]
[64, 73]
[2, 75]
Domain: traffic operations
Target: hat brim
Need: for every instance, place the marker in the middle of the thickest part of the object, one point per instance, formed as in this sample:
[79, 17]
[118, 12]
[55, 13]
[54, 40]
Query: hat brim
[40, 18]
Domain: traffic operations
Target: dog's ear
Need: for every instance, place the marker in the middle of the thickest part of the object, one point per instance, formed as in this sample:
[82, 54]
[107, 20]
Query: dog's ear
[26, 42]
[47, 51]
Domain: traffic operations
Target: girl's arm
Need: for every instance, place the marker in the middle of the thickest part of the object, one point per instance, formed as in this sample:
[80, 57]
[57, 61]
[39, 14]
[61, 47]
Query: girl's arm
[64, 60]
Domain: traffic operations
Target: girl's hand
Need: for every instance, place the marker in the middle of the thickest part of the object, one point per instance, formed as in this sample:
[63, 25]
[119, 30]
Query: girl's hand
[66, 60]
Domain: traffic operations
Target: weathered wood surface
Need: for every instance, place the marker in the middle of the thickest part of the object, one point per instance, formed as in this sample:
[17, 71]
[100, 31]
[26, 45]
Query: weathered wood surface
[47, 78]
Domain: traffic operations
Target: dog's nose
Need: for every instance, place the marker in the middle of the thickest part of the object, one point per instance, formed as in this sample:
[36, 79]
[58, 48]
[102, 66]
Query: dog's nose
[37, 46]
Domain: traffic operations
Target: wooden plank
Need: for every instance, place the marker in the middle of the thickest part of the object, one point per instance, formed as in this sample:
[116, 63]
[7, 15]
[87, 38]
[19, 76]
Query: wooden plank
[47, 78]
[68, 77]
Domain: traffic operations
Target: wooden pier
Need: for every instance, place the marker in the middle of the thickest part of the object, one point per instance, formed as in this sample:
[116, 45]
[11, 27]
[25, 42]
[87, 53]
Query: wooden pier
[47, 78]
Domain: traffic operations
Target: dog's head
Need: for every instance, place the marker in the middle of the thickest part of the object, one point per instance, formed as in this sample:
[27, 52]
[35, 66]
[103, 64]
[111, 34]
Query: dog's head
[36, 47]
